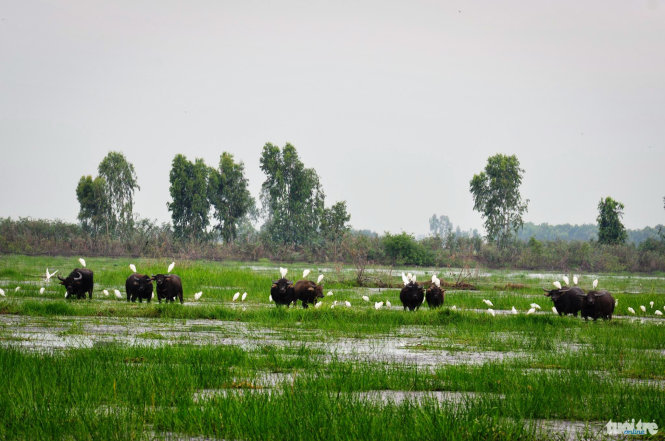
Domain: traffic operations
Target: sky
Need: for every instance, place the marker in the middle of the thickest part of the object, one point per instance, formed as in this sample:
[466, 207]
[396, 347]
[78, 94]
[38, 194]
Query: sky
[395, 104]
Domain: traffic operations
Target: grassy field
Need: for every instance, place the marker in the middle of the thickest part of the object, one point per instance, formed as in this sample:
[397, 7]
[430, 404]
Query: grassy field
[217, 369]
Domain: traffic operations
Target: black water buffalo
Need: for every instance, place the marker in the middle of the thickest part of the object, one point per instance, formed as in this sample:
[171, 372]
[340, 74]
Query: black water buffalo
[169, 287]
[598, 304]
[412, 295]
[138, 286]
[78, 282]
[434, 296]
[566, 300]
[307, 292]
[282, 292]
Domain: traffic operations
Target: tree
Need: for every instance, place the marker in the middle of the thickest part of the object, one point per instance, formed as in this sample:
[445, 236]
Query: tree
[189, 204]
[91, 194]
[292, 198]
[229, 196]
[440, 226]
[121, 183]
[497, 197]
[334, 225]
[610, 228]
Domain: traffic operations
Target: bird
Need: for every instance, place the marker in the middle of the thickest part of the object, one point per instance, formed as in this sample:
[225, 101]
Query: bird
[409, 276]
[318, 304]
[198, 295]
[305, 273]
[531, 311]
[283, 271]
[595, 283]
[642, 308]
[413, 279]
[329, 293]
[388, 304]
[270, 298]
[487, 302]
[651, 304]
[333, 306]
[318, 280]
[132, 267]
[41, 290]
[49, 275]
[82, 261]
[117, 294]
[658, 312]
[106, 292]
[491, 311]
[405, 279]
[347, 303]
[17, 289]
[556, 284]
[454, 308]
[631, 310]
[244, 296]
[2, 292]
[575, 279]
[554, 310]
[378, 305]
[616, 302]
[235, 296]
[565, 280]
[535, 305]
[365, 298]
[514, 311]
[436, 280]
[168, 271]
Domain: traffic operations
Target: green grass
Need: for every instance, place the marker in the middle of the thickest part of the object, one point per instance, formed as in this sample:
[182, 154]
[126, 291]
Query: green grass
[552, 367]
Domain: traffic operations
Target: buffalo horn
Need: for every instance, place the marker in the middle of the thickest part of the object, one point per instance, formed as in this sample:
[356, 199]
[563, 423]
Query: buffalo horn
[79, 277]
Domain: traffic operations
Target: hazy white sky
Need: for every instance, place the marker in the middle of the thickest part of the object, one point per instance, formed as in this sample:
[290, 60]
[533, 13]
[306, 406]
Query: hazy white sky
[396, 104]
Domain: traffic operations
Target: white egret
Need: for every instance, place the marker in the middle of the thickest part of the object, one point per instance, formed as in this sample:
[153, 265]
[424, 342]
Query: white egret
[491, 311]
[487, 302]
[535, 305]
[658, 312]
[318, 280]
[642, 308]
[106, 292]
[244, 296]
[132, 267]
[82, 261]
[168, 271]
[405, 279]
[235, 296]
[554, 310]
[595, 283]
[318, 304]
[283, 271]
[514, 311]
[270, 298]
[388, 304]
[651, 304]
[17, 289]
[378, 305]
[575, 279]
[41, 290]
[2, 292]
[631, 310]
[565, 280]
[454, 308]
[49, 275]
[305, 273]
[556, 284]
[347, 303]
[531, 311]
[365, 298]
[198, 295]
[616, 302]
[117, 294]
[409, 276]
[413, 279]
[329, 293]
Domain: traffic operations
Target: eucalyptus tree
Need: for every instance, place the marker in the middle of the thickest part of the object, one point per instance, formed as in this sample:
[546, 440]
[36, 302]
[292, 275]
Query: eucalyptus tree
[189, 204]
[497, 197]
[91, 194]
[610, 228]
[121, 183]
[229, 196]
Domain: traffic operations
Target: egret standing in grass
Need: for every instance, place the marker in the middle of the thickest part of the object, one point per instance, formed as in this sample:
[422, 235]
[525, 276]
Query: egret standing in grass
[491, 311]
[49, 275]
[305, 273]
[41, 290]
[535, 305]
[365, 298]
[631, 310]
[595, 283]
[106, 292]
[531, 311]
[658, 312]
[235, 296]
[82, 261]
[565, 280]
[487, 302]
[132, 267]
[575, 280]
[170, 268]
[642, 308]
[244, 296]
[514, 311]
[117, 294]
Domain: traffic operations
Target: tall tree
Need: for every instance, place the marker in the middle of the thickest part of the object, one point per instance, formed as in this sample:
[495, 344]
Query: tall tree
[610, 228]
[440, 225]
[93, 214]
[189, 204]
[292, 197]
[229, 196]
[497, 197]
[121, 183]
[334, 224]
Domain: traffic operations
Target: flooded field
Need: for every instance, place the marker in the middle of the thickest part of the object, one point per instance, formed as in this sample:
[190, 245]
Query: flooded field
[215, 368]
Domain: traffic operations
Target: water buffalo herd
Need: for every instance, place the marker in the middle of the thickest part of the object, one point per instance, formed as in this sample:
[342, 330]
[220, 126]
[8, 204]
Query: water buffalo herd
[567, 300]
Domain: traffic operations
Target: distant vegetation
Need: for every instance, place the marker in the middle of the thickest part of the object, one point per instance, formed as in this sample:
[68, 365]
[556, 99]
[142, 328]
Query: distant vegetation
[585, 232]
